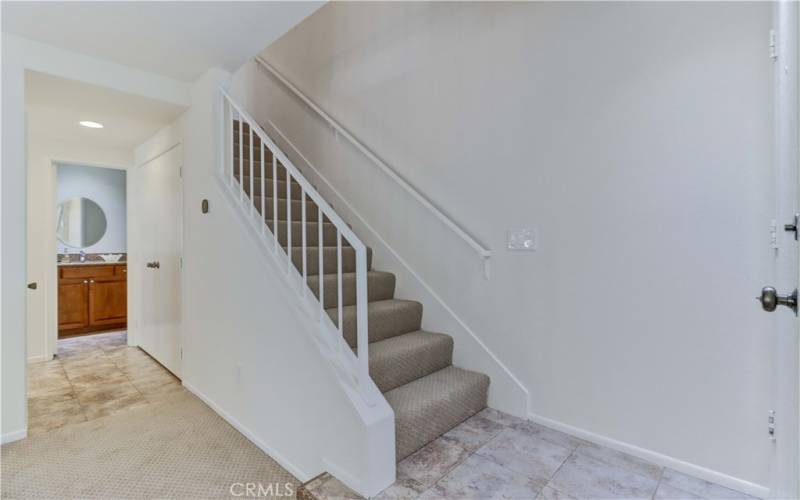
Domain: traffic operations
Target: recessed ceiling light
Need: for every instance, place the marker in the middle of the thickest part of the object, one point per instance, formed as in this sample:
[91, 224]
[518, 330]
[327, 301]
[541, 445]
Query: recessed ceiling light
[91, 124]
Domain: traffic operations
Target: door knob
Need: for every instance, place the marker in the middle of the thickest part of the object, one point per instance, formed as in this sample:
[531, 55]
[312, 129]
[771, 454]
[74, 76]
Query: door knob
[32, 286]
[770, 300]
[154, 265]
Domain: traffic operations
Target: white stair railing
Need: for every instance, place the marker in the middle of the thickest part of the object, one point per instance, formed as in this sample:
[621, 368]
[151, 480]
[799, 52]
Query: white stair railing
[237, 139]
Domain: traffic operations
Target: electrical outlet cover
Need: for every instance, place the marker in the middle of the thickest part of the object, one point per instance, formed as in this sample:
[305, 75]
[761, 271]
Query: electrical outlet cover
[521, 239]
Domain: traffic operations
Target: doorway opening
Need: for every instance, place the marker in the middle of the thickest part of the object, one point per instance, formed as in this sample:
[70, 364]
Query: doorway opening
[86, 304]
[91, 227]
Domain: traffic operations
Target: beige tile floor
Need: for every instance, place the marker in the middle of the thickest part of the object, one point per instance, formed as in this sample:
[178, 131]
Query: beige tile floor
[495, 455]
[91, 377]
[491, 455]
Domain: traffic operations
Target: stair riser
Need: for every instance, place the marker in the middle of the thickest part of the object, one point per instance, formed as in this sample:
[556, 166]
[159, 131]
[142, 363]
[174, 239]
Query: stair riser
[268, 187]
[329, 260]
[379, 287]
[312, 214]
[257, 170]
[256, 152]
[421, 423]
[404, 366]
[312, 233]
[246, 138]
[236, 125]
[381, 326]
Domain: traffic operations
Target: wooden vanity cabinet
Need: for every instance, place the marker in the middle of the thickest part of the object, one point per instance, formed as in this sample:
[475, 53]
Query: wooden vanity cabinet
[92, 298]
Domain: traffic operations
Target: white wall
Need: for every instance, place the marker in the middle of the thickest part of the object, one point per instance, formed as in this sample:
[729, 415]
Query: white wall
[237, 314]
[636, 137]
[41, 241]
[12, 247]
[104, 186]
[289, 401]
[18, 55]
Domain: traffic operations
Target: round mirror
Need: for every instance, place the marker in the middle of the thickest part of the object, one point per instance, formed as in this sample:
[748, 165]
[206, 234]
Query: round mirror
[80, 222]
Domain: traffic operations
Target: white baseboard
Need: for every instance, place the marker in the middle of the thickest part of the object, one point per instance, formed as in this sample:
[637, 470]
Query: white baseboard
[10, 437]
[713, 476]
[286, 464]
[39, 359]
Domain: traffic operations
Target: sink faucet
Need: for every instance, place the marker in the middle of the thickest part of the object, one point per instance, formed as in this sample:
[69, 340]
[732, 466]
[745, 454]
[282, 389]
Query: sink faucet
[83, 256]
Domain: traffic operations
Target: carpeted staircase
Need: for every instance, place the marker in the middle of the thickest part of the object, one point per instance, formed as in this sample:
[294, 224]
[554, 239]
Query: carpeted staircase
[412, 367]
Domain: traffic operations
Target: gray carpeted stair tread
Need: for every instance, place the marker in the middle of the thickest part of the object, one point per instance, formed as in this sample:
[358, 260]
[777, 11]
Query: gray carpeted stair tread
[380, 286]
[256, 151]
[402, 359]
[432, 405]
[411, 366]
[312, 233]
[329, 259]
[268, 187]
[312, 213]
[387, 318]
[246, 140]
[281, 171]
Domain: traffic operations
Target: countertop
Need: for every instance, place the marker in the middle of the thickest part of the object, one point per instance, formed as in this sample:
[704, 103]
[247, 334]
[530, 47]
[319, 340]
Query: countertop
[91, 263]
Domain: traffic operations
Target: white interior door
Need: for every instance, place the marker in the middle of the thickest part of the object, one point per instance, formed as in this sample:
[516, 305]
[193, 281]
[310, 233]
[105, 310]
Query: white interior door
[160, 214]
[785, 470]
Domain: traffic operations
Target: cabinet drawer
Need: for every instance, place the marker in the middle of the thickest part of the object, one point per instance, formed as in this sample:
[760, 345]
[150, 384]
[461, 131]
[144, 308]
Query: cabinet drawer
[87, 272]
[121, 271]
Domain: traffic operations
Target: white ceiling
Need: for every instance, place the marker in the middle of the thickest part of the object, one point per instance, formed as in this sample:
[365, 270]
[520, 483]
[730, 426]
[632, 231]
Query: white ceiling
[54, 106]
[180, 40]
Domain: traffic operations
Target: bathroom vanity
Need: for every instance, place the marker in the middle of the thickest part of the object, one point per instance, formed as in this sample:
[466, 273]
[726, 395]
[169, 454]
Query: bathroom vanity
[92, 296]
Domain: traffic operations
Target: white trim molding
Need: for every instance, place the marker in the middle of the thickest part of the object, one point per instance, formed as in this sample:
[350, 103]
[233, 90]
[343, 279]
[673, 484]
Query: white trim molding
[40, 358]
[483, 252]
[297, 472]
[515, 396]
[10, 437]
[661, 459]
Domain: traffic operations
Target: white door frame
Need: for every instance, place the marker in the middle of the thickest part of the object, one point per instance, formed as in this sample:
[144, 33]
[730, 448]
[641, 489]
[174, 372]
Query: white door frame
[136, 262]
[785, 337]
[50, 286]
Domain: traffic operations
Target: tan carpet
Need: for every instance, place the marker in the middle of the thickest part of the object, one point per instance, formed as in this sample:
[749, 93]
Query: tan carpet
[179, 449]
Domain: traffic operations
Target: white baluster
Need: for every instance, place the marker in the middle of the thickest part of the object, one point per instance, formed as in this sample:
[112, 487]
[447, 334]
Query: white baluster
[304, 248]
[263, 193]
[339, 279]
[227, 138]
[250, 134]
[288, 220]
[321, 245]
[241, 158]
[362, 326]
[275, 199]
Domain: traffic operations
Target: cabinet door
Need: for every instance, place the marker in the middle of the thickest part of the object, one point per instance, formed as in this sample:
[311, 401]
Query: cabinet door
[73, 304]
[108, 302]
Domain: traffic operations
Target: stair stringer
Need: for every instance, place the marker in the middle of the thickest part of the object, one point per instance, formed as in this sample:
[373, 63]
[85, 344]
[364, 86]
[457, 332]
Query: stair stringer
[507, 392]
[366, 460]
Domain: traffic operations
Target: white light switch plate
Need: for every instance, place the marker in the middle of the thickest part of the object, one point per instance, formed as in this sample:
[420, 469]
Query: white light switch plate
[521, 239]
